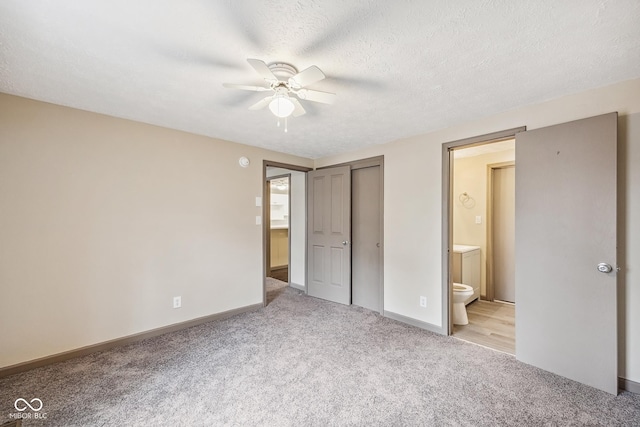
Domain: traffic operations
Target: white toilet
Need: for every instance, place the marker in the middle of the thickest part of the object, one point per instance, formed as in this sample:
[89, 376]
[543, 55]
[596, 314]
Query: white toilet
[460, 294]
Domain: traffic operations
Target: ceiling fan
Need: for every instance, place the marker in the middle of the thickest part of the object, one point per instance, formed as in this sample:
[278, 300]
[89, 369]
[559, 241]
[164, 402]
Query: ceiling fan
[284, 80]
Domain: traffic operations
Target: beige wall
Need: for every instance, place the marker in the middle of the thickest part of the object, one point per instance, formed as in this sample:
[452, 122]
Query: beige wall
[470, 176]
[413, 204]
[103, 221]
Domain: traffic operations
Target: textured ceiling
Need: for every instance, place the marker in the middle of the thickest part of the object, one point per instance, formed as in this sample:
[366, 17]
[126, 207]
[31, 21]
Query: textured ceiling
[399, 68]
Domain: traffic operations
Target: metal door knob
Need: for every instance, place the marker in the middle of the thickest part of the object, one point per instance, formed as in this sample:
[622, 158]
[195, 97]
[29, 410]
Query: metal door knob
[345, 243]
[603, 267]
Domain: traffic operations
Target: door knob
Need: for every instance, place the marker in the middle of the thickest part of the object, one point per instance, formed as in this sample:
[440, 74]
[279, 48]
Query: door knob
[603, 267]
[345, 243]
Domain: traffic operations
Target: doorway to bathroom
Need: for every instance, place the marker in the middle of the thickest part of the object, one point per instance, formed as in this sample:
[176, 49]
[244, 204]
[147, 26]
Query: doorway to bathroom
[483, 218]
[558, 170]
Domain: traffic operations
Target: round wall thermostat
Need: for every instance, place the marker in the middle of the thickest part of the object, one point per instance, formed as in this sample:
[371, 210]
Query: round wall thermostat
[244, 162]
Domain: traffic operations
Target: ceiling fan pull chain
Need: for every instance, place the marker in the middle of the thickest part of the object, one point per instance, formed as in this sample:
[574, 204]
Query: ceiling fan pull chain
[285, 125]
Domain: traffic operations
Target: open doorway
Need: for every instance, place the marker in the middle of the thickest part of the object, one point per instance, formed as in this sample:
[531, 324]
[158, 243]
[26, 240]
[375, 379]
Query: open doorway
[483, 243]
[559, 168]
[278, 239]
[482, 236]
[284, 229]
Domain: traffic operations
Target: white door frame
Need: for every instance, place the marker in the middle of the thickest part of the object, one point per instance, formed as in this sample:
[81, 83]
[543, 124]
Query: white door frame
[447, 211]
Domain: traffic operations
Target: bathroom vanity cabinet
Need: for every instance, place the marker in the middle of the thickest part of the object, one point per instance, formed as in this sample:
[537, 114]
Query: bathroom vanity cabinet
[466, 268]
[279, 247]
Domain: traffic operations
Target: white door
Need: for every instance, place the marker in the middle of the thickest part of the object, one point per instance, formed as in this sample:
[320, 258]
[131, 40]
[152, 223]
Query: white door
[565, 228]
[329, 234]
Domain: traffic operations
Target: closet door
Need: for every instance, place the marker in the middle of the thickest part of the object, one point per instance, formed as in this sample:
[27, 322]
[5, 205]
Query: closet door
[329, 234]
[366, 211]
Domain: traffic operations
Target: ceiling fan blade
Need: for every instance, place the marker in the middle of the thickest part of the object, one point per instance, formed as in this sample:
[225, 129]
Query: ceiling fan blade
[245, 87]
[298, 110]
[316, 96]
[262, 69]
[261, 104]
[306, 77]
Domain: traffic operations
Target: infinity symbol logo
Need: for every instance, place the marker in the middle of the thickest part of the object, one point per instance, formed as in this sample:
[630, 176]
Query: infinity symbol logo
[24, 408]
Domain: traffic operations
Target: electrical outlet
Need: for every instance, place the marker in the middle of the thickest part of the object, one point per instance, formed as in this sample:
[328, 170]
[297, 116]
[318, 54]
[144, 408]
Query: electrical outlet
[423, 301]
[177, 302]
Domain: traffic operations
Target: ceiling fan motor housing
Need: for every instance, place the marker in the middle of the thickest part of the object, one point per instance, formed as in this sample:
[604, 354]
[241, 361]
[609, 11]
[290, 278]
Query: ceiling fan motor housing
[283, 70]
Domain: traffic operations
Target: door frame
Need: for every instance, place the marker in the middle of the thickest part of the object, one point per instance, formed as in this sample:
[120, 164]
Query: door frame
[447, 213]
[361, 164]
[489, 289]
[266, 225]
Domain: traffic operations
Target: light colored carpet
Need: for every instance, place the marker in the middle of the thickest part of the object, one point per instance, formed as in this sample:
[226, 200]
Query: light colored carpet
[305, 362]
[275, 288]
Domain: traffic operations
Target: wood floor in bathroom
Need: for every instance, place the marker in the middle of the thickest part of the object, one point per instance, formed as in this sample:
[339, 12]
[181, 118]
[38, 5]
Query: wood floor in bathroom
[492, 324]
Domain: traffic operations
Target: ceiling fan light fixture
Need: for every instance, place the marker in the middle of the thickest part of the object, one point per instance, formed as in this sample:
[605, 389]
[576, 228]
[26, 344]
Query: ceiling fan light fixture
[281, 106]
[284, 80]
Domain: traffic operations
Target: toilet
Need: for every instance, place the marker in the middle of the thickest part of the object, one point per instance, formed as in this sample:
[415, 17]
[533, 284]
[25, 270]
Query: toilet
[460, 294]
